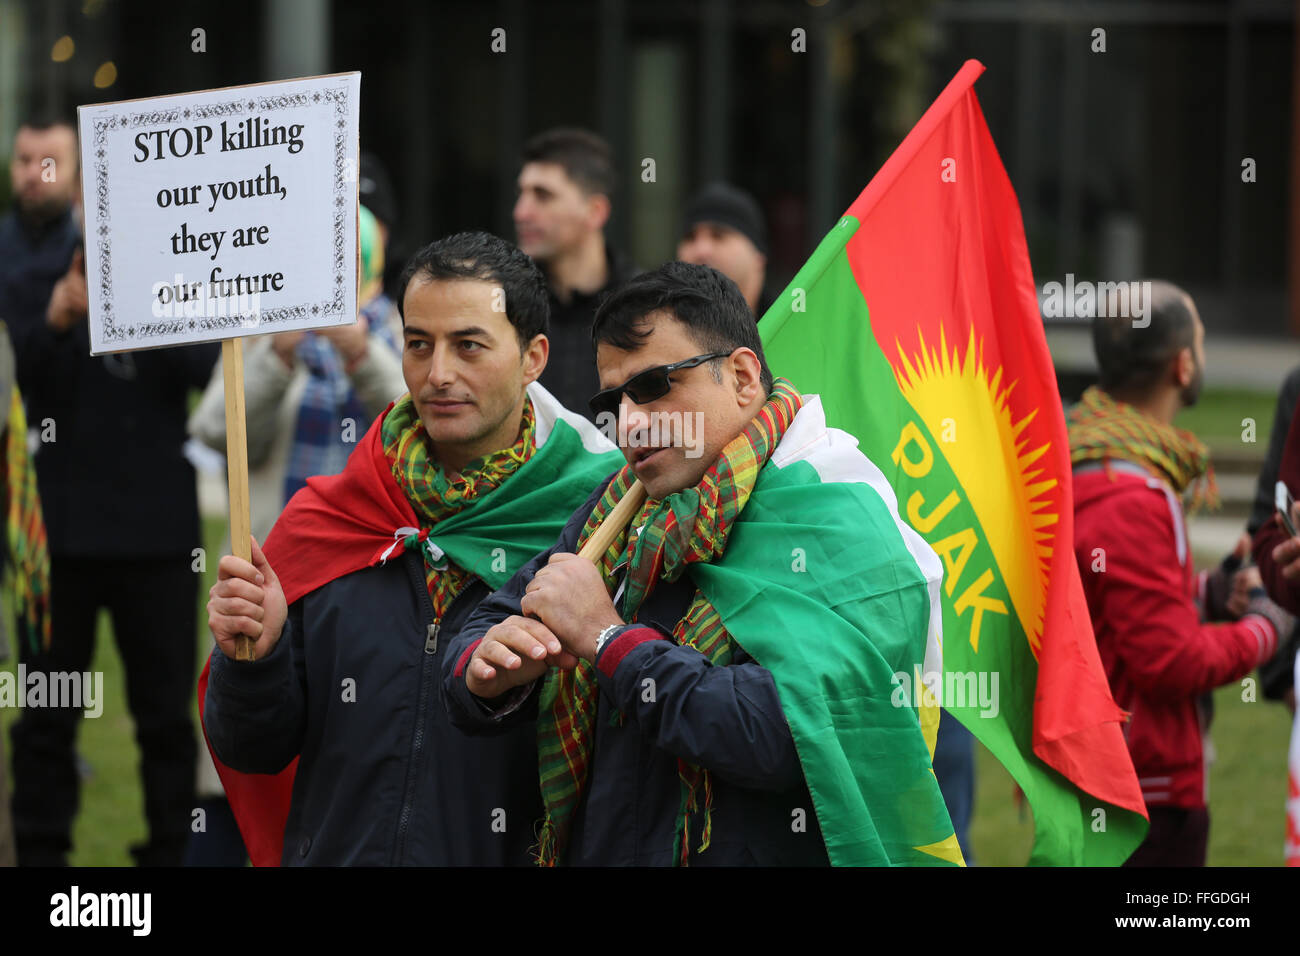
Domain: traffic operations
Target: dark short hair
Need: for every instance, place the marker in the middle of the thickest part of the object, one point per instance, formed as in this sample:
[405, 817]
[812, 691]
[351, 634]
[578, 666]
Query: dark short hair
[700, 297]
[480, 255]
[585, 157]
[1131, 358]
[43, 119]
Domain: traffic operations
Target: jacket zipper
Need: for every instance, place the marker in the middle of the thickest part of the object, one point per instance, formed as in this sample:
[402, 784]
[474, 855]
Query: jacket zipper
[421, 708]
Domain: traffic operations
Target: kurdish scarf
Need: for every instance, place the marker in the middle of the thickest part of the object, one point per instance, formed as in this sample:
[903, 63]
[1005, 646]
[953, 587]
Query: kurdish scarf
[29, 557]
[1102, 429]
[436, 496]
[686, 527]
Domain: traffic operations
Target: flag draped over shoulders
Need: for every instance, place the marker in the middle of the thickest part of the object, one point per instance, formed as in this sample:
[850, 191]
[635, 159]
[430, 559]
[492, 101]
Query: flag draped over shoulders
[825, 586]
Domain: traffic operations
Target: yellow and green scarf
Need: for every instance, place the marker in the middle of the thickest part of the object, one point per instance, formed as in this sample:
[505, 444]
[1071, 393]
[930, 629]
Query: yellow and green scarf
[29, 556]
[687, 527]
[1102, 429]
[436, 496]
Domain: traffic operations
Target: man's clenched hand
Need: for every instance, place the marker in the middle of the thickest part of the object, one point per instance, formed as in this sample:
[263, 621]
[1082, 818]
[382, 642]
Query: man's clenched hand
[514, 652]
[569, 597]
[247, 599]
[69, 300]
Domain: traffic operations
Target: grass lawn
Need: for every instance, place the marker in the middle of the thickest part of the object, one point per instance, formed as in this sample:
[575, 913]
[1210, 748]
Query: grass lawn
[1217, 417]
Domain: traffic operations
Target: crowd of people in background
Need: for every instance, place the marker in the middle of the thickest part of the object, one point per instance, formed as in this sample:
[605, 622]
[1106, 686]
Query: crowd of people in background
[118, 514]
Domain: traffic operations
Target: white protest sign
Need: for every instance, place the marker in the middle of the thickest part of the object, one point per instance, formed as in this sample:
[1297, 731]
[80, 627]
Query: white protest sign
[222, 213]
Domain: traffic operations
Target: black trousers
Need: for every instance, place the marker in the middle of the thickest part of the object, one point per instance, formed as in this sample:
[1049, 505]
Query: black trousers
[153, 604]
[1177, 837]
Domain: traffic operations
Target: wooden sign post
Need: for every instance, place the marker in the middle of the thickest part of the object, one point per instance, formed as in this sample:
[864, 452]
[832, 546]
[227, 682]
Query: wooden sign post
[232, 367]
[219, 214]
[618, 518]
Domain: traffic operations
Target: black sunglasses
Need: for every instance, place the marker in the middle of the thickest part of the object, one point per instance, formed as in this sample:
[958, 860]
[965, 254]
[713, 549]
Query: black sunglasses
[646, 386]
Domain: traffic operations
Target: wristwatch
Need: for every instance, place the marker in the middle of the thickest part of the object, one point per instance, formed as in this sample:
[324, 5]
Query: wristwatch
[605, 635]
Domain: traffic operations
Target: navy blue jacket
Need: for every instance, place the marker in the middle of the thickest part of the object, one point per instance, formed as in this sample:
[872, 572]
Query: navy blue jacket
[726, 719]
[114, 482]
[383, 778]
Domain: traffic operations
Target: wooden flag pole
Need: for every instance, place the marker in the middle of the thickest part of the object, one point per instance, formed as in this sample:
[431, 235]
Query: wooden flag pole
[614, 522]
[232, 363]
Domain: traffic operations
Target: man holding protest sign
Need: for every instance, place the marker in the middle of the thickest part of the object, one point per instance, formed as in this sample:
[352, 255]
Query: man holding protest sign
[368, 574]
[730, 704]
[308, 398]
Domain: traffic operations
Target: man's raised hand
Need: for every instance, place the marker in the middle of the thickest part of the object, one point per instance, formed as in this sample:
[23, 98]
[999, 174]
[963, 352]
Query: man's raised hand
[247, 599]
[69, 300]
[514, 652]
[1287, 554]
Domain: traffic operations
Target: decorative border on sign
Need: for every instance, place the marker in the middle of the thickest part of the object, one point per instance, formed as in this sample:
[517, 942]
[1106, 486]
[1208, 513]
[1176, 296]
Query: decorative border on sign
[112, 332]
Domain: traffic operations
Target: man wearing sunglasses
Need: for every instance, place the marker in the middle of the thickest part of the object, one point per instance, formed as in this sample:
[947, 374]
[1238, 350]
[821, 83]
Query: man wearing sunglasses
[696, 700]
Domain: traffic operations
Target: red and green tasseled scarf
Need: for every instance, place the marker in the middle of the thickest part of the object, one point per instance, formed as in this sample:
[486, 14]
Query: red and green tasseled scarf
[29, 556]
[435, 496]
[1102, 429]
[688, 526]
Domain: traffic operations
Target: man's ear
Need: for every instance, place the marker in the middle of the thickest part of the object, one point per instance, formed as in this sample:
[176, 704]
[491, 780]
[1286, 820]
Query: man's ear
[749, 376]
[534, 358]
[598, 210]
[1186, 367]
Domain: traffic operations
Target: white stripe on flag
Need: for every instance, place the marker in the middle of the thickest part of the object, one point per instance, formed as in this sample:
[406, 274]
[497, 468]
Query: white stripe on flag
[547, 410]
[835, 456]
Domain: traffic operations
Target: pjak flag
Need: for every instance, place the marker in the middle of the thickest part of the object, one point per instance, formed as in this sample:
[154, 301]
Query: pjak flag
[917, 322]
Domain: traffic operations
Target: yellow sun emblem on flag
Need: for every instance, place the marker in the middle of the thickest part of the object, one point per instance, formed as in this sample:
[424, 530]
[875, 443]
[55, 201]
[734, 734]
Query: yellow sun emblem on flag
[969, 409]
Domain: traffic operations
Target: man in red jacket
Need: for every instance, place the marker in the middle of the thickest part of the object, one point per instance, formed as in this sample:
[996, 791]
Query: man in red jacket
[1148, 606]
